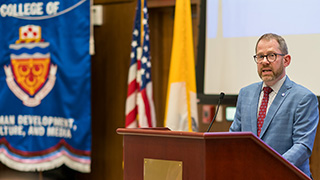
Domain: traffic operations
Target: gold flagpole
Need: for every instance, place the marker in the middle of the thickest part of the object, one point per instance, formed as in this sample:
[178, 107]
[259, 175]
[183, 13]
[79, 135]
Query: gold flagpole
[141, 22]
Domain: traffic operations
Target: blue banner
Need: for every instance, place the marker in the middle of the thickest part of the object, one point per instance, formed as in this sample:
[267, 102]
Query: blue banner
[45, 80]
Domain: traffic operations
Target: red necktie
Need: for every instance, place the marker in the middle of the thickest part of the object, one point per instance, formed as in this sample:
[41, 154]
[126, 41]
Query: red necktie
[263, 108]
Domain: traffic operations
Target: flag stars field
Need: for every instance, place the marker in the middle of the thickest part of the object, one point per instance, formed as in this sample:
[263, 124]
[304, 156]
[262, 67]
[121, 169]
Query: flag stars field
[134, 44]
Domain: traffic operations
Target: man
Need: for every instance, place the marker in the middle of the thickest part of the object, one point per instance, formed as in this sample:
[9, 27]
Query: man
[286, 115]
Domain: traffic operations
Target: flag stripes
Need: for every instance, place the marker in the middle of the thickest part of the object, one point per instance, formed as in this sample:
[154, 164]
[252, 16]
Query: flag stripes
[139, 104]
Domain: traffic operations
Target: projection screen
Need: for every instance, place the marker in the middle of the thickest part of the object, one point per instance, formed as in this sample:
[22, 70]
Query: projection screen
[233, 27]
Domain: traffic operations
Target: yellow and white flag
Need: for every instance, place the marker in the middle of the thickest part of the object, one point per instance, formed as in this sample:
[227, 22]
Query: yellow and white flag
[181, 106]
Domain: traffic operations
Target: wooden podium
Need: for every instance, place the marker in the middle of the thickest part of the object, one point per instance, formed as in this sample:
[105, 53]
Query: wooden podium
[204, 156]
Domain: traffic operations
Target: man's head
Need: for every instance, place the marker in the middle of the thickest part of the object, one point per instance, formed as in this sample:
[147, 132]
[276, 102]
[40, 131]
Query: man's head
[272, 58]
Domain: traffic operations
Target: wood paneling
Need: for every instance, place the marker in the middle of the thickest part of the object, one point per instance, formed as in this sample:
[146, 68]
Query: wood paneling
[315, 157]
[109, 87]
[112, 1]
[166, 3]
[161, 29]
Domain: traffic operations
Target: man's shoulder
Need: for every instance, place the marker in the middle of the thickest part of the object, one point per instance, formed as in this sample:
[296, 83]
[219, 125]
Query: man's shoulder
[298, 92]
[300, 89]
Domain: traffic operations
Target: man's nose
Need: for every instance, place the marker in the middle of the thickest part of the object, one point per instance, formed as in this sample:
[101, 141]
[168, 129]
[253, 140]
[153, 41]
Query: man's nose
[265, 60]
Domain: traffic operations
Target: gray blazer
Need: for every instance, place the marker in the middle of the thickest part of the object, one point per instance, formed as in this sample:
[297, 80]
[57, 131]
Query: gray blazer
[291, 122]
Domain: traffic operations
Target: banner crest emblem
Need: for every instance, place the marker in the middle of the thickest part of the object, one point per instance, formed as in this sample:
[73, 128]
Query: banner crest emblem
[30, 75]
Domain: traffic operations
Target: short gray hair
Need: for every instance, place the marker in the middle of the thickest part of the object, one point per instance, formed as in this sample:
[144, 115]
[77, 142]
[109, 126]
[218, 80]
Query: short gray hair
[282, 43]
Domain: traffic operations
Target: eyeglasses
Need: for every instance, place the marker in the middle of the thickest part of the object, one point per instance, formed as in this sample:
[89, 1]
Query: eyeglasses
[270, 57]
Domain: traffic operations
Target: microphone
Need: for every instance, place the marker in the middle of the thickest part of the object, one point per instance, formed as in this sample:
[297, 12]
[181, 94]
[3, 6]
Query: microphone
[214, 118]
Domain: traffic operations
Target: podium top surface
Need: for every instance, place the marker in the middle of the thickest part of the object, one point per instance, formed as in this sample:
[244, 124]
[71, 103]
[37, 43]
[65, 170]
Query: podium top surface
[184, 134]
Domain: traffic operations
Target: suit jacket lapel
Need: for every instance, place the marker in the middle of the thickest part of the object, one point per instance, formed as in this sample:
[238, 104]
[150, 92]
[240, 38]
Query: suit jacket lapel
[276, 104]
[254, 106]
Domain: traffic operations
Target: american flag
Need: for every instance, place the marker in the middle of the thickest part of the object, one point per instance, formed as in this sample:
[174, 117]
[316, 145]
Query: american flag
[139, 104]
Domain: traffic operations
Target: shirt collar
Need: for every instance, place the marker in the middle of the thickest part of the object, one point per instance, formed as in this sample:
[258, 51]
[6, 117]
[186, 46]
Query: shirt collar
[276, 87]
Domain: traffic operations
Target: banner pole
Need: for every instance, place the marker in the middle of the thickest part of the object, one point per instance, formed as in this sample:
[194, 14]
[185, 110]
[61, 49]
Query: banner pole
[40, 175]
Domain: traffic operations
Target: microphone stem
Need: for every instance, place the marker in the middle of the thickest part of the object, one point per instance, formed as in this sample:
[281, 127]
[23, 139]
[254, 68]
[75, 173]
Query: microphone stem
[214, 116]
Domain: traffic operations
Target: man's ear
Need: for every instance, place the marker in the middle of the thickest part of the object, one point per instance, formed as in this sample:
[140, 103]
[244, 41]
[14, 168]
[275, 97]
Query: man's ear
[286, 60]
